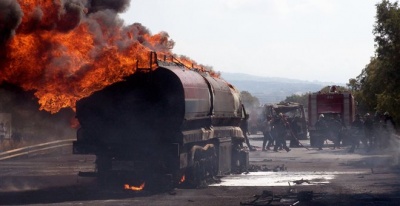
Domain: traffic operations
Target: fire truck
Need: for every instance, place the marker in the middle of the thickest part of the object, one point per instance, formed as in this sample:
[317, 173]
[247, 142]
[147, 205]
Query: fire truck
[330, 104]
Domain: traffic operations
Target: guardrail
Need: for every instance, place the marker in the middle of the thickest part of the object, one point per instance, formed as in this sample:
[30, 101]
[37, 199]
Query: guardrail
[35, 148]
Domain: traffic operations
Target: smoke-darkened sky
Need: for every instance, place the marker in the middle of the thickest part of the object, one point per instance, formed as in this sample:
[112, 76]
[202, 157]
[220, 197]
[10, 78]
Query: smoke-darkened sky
[324, 40]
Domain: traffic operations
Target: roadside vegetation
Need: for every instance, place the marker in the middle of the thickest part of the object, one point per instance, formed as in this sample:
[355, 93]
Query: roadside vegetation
[377, 87]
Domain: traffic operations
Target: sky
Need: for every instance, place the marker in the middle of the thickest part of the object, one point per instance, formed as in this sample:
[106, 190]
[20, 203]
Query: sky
[312, 40]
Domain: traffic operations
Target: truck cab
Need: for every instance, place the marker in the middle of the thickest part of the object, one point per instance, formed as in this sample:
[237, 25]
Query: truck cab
[331, 104]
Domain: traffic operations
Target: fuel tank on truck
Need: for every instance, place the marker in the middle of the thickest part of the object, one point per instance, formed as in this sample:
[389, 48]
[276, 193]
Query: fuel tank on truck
[157, 107]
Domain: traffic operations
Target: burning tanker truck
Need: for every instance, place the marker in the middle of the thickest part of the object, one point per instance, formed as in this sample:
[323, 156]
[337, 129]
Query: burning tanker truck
[170, 124]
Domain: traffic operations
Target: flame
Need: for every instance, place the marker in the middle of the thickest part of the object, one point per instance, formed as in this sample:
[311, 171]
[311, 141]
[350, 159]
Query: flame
[183, 178]
[74, 123]
[134, 188]
[65, 50]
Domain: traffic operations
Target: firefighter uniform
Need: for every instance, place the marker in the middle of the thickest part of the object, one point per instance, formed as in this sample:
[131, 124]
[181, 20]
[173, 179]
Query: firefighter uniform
[322, 128]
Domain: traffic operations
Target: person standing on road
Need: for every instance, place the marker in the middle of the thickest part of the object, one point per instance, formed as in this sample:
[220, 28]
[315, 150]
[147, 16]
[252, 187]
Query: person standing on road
[388, 128]
[322, 128]
[357, 127]
[369, 131]
[267, 133]
[378, 128]
[335, 127]
[245, 129]
[280, 128]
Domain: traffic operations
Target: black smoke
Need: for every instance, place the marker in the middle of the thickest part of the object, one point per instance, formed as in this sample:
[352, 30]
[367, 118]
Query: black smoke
[116, 5]
[28, 122]
[10, 17]
[69, 17]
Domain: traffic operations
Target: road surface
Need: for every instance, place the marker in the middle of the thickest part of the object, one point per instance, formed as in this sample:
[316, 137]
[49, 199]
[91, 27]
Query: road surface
[299, 177]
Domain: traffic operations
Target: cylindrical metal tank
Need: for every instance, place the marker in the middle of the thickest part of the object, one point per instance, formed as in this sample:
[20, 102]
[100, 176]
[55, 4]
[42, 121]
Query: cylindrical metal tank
[157, 107]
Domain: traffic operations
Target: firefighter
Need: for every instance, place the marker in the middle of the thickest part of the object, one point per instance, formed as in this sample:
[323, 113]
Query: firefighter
[267, 133]
[388, 128]
[369, 131]
[357, 127]
[280, 128]
[335, 128]
[322, 127]
[295, 130]
[245, 129]
[378, 122]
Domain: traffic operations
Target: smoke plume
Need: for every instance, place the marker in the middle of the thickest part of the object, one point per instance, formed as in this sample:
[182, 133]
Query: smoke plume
[64, 50]
[10, 18]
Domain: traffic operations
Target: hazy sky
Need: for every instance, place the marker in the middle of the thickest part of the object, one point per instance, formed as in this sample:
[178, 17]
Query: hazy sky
[324, 40]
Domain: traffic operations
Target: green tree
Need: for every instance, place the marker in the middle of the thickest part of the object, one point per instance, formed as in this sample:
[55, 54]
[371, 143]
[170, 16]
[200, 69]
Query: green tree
[367, 85]
[299, 98]
[387, 38]
[249, 101]
[378, 85]
[327, 89]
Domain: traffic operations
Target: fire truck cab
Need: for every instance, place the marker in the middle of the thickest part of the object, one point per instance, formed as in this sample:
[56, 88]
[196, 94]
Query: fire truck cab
[329, 104]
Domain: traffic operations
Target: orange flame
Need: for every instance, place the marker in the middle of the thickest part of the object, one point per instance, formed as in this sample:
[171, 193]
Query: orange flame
[134, 188]
[182, 179]
[65, 50]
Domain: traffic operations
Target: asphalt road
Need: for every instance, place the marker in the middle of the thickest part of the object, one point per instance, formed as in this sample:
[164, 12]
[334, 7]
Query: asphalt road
[299, 177]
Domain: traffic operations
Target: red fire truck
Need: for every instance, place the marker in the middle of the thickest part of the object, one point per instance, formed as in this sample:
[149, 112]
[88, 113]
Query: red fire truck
[330, 105]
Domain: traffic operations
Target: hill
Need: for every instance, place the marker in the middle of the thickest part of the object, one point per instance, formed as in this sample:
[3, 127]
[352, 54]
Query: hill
[272, 89]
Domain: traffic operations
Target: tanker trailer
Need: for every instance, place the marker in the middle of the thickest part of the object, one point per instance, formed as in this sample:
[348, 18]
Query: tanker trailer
[170, 122]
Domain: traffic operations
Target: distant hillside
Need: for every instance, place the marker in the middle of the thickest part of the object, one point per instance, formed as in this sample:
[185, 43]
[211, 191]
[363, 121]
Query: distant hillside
[272, 89]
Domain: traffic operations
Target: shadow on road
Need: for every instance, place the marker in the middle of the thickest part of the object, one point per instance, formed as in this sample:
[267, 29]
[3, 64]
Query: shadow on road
[68, 194]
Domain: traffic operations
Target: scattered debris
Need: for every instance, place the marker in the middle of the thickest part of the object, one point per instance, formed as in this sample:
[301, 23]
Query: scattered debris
[292, 197]
[299, 182]
[264, 168]
[295, 203]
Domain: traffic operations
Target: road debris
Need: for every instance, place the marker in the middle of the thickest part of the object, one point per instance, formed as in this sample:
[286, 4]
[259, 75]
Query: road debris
[292, 197]
[264, 168]
[299, 182]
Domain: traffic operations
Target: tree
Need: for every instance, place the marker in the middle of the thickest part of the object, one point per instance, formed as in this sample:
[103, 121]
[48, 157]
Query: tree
[299, 98]
[327, 89]
[387, 37]
[249, 101]
[378, 85]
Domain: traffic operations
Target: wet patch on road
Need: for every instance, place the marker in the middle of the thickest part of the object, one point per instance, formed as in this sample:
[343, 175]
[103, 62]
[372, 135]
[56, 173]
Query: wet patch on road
[279, 178]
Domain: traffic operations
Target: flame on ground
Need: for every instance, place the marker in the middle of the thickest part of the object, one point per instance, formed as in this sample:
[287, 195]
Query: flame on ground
[65, 50]
[182, 179]
[134, 188]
